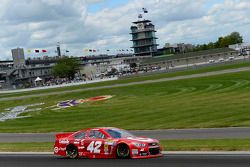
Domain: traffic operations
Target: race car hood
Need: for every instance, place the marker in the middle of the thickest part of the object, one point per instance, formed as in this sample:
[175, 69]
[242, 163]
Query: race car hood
[142, 139]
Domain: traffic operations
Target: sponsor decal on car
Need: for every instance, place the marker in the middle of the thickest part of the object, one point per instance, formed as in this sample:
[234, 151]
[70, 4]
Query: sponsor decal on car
[81, 147]
[56, 149]
[106, 149]
[62, 149]
[134, 151]
[64, 141]
[109, 142]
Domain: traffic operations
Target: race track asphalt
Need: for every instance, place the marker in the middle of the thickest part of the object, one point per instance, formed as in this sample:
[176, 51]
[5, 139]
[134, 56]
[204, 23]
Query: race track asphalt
[168, 160]
[132, 83]
[213, 133]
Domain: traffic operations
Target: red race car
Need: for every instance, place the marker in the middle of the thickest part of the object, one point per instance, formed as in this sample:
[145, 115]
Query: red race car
[105, 143]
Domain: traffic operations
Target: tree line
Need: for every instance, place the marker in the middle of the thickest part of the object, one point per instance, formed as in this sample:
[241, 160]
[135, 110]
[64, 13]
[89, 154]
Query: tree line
[222, 42]
[66, 68]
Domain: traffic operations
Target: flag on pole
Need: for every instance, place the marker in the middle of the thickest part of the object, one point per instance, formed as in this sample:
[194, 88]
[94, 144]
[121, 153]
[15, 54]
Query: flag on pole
[37, 51]
[140, 16]
[29, 50]
[90, 50]
[86, 50]
[94, 50]
[67, 51]
[145, 10]
[44, 51]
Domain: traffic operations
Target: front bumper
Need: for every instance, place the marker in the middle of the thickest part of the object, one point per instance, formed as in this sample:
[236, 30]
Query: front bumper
[149, 152]
[147, 156]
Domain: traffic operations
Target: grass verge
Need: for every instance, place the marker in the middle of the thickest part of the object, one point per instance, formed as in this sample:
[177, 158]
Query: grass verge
[207, 145]
[207, 102]
[27, 147]
[135, 79]
[168, 145]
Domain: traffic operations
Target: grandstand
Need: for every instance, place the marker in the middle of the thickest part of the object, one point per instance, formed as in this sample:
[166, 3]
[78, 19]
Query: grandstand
[189, 58]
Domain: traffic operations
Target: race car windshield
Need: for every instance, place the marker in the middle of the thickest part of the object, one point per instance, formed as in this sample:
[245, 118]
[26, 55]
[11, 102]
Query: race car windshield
[118, 133]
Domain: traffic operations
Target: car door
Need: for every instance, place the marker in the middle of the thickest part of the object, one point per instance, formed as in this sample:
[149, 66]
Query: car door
[79, 138]
[94, 144]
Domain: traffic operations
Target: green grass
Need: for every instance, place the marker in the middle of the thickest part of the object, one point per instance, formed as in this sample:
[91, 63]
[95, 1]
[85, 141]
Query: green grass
[134, 79]
[168, 145]
[207, 102]
[207, 145]
[27, 147]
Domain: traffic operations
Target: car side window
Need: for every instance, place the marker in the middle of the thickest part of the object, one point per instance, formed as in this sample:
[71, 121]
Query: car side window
[95, 134]
[80, 135]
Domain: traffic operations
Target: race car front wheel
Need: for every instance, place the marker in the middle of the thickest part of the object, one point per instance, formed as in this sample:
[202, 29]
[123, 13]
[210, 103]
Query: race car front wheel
[122, 151]
[72, 151]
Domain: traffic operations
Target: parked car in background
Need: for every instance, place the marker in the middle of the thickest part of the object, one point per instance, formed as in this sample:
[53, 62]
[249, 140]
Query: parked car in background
[211, 61]
[221, 60]
[231, 58]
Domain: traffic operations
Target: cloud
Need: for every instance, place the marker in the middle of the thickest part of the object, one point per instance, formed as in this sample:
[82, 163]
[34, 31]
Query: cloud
[43, 10]
[116, 22]
[37, 24]
[43, 23]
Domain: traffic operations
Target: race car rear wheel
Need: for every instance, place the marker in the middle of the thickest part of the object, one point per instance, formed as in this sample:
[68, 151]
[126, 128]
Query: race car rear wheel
[122, 151]
[72, 151]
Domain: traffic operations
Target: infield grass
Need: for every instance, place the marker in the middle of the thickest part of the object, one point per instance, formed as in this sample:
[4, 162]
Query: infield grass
[168, 145]
[206, 102]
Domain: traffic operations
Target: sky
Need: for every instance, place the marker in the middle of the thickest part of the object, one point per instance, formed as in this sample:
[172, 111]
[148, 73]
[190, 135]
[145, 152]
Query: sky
[105, 24]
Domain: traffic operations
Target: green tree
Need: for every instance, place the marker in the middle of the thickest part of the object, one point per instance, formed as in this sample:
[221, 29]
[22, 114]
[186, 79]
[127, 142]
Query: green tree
[231, 39]
[211, 45]
[222, 42]
[235, 38]
[133, 65]
[66, 68]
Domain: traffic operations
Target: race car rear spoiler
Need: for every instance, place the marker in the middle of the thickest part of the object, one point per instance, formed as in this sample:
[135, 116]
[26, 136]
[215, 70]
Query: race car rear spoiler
[62, 135]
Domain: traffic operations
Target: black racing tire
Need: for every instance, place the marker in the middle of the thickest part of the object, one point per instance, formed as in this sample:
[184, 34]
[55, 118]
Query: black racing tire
[72, 151]
[122, 151]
